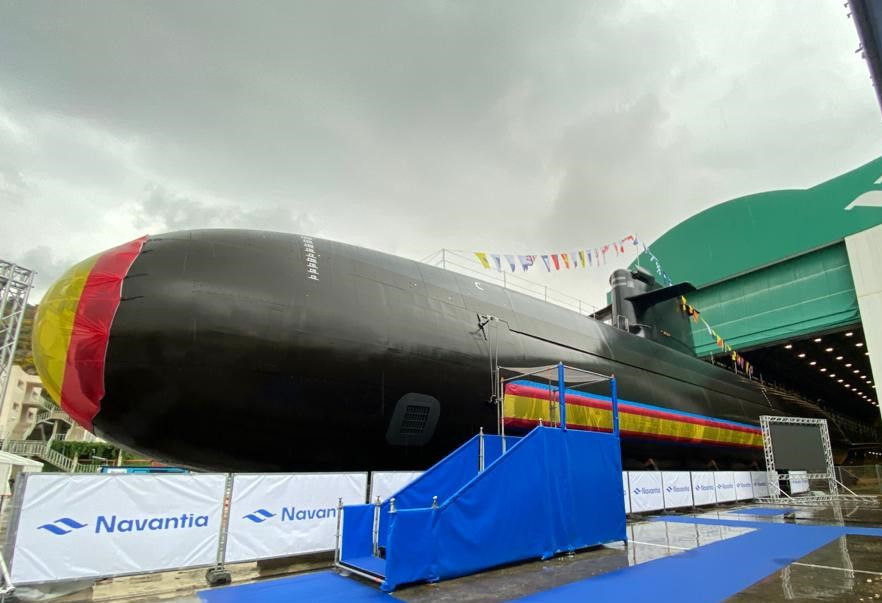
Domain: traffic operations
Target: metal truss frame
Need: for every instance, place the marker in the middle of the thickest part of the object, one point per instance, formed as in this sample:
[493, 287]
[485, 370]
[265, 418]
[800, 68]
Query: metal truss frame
[15, 285]
[774, 478]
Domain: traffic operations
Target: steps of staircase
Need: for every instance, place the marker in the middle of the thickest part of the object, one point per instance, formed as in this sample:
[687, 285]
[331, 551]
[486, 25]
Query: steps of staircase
[369, 564]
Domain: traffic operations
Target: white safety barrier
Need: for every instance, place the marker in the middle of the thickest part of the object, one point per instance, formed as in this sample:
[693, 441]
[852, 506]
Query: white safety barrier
[798, 482]
[277, 515]
[72, 526]
[645, 488]
[704, 489]
[743, 485]
[677, 489]
[760, 481]
[386, 483]
[84, 526]
[725, 482]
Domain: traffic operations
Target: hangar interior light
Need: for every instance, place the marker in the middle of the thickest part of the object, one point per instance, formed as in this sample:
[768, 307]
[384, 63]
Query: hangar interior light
[788, 357]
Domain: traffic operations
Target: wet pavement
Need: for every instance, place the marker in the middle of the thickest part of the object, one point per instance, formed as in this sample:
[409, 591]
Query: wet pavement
[648, 540]
[847, 569]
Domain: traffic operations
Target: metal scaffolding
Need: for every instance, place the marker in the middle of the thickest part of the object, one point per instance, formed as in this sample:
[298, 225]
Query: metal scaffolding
[15, 285]
[777, 494]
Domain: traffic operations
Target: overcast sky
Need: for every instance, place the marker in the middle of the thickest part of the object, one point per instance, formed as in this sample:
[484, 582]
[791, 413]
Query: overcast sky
[510, 126]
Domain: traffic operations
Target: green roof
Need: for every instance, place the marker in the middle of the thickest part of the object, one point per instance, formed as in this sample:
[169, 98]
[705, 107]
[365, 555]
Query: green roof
[758, 230]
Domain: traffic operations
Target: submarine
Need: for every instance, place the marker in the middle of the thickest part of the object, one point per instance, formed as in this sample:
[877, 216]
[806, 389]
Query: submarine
[241, 350]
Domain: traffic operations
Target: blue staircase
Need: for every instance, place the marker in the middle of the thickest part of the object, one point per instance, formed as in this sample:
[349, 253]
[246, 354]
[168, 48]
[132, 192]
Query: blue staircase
[364, 542]
[552, 491]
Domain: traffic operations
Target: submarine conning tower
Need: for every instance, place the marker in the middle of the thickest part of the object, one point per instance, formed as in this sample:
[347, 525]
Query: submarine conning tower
[642, 307]
[625, 284]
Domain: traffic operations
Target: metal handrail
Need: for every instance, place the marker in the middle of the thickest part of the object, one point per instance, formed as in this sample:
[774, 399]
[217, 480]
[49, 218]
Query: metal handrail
[508, 281]
[44, 451]
[6, 587]
[55, 414]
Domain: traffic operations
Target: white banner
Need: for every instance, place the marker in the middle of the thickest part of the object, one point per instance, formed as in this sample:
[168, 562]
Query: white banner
[386, 483]
[625, 488]
[645, 488]
[760, 483]
[743, 485]
[704, 490]
[798, 482]
[275, 515]
[725, 482]
[78, 526]
[677, 489]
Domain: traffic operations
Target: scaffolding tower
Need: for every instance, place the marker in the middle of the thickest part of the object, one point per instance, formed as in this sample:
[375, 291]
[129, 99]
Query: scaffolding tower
[777, 494]
[15, 285]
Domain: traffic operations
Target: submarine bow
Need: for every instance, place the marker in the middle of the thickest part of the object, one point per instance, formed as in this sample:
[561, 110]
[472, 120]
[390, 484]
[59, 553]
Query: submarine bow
[72, 328]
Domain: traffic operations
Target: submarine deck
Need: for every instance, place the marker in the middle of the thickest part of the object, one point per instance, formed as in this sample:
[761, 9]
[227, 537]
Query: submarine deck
[743, 553]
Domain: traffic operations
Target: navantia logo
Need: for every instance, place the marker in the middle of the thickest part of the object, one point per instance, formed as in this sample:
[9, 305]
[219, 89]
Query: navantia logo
[259, 516]
[639, 491]
[677, 489]
[291, 514]
[62, 526]
[109, 524]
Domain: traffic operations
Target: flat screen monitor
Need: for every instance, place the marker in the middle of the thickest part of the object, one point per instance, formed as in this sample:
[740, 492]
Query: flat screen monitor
[798, 447]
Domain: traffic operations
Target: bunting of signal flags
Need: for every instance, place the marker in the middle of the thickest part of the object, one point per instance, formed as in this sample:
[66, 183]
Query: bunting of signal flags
[737, 358]
[658, 267]
[594, 257]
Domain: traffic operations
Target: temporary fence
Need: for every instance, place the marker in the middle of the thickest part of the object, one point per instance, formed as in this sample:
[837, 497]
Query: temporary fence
[279, 515]
[76, 526]
[79, 526]
[863, 479]
[647, 491]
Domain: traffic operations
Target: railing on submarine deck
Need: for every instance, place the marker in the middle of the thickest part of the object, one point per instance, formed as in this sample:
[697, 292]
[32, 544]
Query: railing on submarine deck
[844, 422]
[463, 263]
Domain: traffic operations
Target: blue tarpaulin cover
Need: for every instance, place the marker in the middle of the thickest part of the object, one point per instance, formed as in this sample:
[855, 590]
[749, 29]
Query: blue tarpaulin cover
[554, 491]
[444, 478]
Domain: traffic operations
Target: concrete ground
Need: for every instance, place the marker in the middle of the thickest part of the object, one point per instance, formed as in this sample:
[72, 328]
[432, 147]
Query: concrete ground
[848, 569]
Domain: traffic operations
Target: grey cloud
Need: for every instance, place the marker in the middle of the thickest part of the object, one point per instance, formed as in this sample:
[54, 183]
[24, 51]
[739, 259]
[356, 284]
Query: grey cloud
[12, 185]
[411, 125]
[166, 210]
[48, 266]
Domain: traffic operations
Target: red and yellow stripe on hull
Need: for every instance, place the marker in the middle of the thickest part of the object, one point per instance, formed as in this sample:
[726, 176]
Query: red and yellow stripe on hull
[72, 328]
[525, 404]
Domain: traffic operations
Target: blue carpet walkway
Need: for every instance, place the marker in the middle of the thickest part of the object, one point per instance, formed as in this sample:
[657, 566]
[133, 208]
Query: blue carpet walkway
[705, 574]
[320, 587]
[709, 573]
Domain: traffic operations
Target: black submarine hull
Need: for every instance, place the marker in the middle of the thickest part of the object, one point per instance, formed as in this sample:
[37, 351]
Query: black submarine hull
[257, 351]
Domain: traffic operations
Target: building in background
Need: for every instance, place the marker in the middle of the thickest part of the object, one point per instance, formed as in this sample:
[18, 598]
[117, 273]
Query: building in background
[792, 281]
[21, 405]
[27, 415]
